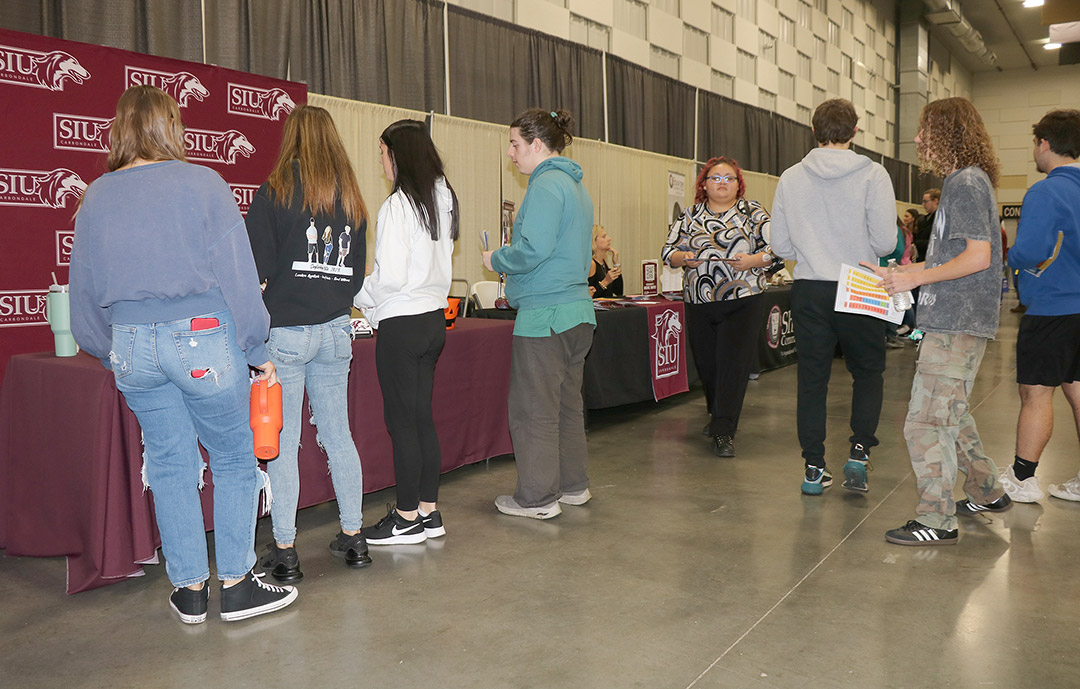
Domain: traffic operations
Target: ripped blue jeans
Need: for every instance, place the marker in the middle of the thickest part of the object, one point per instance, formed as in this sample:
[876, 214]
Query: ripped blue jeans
[315, 358]
[153, 365]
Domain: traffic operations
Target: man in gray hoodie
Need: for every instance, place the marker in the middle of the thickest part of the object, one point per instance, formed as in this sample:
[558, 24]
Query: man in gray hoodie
[834, 207]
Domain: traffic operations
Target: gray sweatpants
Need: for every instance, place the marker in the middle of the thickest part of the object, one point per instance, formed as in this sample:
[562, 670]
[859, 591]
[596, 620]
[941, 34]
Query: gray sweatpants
[547, 423]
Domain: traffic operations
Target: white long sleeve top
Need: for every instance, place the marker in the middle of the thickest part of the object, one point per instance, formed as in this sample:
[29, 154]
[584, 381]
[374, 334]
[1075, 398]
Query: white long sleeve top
[412, 272]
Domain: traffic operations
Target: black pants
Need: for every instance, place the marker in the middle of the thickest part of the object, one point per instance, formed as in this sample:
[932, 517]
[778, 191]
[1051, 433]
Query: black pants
[724, 336]
[406, 350]
[818, 329]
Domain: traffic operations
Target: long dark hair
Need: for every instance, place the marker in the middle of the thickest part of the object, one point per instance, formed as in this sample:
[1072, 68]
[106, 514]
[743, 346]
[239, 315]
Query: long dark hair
[417, 166]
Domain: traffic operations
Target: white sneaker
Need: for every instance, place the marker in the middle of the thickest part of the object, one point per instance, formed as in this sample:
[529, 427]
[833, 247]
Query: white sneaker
[1027, 490]
[1070, 490]
[579, 498]
[507, 505]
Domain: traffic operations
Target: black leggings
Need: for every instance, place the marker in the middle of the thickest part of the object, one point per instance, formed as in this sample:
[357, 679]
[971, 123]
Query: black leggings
[406, 350]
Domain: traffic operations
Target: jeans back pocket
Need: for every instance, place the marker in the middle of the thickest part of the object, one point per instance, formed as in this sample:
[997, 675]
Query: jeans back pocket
[204, 353]
[121, 356]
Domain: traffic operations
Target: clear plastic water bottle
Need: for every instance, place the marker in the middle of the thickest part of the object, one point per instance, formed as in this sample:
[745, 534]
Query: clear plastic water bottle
[902, 301]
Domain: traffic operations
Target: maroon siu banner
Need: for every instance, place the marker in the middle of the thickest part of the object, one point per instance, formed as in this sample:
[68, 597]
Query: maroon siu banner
[667, 347]
[59, 102]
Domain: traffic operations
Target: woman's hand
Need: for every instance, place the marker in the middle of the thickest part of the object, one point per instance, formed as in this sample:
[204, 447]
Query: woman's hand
[684, 259]
[267, 372]
[486, 256]
[744, 262]
[613, 275]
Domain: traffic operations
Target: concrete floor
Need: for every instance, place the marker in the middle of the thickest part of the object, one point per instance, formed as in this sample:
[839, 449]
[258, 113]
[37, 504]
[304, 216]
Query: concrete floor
[684, 571]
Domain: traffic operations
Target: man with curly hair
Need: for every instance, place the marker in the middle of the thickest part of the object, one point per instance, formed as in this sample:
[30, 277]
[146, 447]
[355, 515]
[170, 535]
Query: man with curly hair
[960, 287]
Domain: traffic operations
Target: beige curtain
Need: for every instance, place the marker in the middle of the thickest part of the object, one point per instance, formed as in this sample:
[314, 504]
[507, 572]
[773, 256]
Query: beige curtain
[360, 125]
[634, 204]
[473, 155]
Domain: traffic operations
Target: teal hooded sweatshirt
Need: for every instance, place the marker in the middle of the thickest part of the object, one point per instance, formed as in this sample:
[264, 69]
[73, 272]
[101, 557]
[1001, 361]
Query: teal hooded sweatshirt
[547, 262]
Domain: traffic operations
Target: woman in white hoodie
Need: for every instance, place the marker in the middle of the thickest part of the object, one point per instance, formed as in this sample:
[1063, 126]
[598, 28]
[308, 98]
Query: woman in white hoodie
[403, 299]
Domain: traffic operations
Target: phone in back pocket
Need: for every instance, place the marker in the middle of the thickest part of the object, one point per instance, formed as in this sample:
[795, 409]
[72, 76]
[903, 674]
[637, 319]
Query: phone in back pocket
[202, 324]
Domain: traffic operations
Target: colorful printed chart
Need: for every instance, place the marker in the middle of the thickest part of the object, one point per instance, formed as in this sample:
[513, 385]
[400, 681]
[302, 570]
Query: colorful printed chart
[858, 292]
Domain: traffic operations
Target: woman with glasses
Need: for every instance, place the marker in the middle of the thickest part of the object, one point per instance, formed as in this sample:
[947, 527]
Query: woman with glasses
[721, 243]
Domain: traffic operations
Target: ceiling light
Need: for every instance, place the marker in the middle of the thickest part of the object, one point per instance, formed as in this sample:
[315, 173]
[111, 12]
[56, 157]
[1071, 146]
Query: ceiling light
[1051, 46]
[1033, 3]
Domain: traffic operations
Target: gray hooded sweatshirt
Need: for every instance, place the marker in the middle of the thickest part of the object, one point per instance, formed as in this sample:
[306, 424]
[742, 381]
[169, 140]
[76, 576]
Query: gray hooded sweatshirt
[835, 206]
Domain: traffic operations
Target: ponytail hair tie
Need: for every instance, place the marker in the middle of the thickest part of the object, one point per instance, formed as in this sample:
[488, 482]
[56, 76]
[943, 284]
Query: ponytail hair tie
[554, 116]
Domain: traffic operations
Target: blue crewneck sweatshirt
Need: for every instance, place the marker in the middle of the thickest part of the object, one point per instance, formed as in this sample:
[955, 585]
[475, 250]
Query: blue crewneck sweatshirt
[1051, 209]
[158, 243]
[556, 213]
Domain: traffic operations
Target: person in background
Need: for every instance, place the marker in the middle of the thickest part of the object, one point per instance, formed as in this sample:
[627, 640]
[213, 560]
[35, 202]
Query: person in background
[1047, 254]
[547, 266]
[312, 183]
[604, 281]
[892, 338]
[958, 311]
[911, 254]
[834, 207]
[721, 243]
[404, 299]
[164, 291]
[925, 223]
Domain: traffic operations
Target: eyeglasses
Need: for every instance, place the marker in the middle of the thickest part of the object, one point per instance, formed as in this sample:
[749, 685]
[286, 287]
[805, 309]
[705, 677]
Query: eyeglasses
[721, 179]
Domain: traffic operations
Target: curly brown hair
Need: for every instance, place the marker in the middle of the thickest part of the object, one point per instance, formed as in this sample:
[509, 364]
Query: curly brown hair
[952, 136]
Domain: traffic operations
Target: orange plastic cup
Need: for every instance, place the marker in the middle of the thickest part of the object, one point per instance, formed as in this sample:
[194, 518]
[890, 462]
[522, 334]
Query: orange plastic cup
[266, 418]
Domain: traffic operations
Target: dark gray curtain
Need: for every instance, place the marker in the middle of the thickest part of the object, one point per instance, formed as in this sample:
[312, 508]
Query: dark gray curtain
[168, 29]
[379, 51]
[649, 111]
[793, 142]
[497, 70]
[249, 35]
[735, 130]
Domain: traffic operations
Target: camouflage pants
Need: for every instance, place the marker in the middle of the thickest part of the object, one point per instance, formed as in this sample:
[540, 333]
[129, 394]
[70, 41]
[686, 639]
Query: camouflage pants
[940, 432]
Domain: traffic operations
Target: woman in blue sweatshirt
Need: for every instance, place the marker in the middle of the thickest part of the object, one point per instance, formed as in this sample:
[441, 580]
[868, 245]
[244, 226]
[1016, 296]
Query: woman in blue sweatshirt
[547, 265]
[164, 292]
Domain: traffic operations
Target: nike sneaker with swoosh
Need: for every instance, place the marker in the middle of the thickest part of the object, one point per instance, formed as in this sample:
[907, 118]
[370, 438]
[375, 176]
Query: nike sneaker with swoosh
[393, 529]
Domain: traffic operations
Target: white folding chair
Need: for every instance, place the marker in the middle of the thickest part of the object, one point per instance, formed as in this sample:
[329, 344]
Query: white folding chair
[486, 292]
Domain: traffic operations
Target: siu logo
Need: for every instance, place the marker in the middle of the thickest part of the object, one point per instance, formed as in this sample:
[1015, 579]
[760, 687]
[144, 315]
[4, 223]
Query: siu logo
[40, 70]
[216, 147]
[65, 239]
[22, 307]
[81, 132]
[267, 104]
[45, 188]
[182, 86]
[242, 194]
[772, 328]
[667, 331]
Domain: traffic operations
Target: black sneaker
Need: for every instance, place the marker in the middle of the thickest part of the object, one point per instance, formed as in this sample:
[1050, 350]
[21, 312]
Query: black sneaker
[914, 533]
[190, 605]
[252, 597]
[707, 431]
[723, 446]
[393, 529]
[433, 526]
[352, 549]
[967, 508]
[281, 563]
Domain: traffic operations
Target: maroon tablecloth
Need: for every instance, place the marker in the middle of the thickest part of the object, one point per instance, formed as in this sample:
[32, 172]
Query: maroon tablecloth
[70, 454]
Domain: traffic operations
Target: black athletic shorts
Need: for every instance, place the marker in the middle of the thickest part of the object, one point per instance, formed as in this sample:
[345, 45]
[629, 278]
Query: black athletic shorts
[1048, 350]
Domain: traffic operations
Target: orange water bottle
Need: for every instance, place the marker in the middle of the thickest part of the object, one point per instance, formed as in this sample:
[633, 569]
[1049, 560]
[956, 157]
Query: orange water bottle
[266, 418]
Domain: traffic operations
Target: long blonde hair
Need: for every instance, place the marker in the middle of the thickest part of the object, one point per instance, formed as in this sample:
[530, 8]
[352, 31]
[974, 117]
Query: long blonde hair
[147, 126]
[311, 138]
[953, 137]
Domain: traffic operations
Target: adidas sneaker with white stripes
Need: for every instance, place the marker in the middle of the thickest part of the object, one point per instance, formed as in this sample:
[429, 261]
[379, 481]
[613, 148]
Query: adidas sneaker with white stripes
[914, 533]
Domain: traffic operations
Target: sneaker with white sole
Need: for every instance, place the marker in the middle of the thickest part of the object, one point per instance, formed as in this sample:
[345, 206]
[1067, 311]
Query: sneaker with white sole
[816, 480]
[393, 529]
[252, 597]
[190, 605]
[507, 505]
[577, 498]
[1027, 490]
[967, 508]
[855, 468]
[433, 526]
[1070, 490]
[914, 533]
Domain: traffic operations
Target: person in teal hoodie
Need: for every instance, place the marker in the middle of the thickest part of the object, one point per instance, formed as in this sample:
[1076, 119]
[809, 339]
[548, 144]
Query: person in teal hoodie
[547, 269]
[1047, 254]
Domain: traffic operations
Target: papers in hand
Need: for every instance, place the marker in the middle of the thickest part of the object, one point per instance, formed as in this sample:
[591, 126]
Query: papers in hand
[857, 291]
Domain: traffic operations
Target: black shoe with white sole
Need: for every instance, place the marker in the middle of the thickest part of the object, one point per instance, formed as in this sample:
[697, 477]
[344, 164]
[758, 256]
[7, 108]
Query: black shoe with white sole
[966, 508]
[190, 605]
[393, 529]
[252, 597]
[433, 526]
[914, 533]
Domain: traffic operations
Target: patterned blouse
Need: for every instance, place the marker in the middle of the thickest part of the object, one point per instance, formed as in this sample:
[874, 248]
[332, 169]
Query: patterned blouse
[743, 228]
